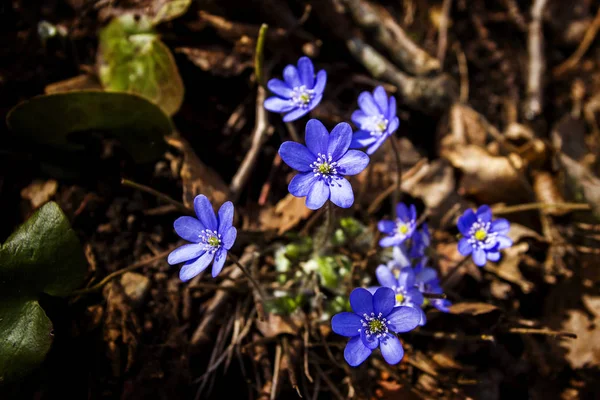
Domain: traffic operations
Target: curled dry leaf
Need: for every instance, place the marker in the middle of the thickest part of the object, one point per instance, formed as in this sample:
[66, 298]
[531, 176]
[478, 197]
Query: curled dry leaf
[508, 267]
[197, 177]
[39, 192]
[276, 325]
[585, 350]
[465, 128]
[285, 215]
[472, 308]
[546, 191]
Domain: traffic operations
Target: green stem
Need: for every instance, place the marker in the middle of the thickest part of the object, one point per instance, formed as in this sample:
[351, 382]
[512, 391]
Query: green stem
[259, 54]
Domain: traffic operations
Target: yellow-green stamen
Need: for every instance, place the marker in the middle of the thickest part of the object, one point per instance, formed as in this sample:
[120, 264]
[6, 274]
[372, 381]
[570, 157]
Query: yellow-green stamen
[376, 326]
[480, 235]
[213, 241]
[399, 298]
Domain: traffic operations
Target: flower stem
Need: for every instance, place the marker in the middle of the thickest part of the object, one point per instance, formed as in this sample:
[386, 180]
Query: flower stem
[397, 195]
[249, 276]
[325, 235]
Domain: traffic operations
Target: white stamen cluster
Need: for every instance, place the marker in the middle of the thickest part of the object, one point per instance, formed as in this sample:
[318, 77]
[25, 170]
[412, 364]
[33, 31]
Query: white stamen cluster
[374, 325]
[211, 240]
[324, 167]
[404, 229]
[301, 96]
[377, 124]
[480, 235]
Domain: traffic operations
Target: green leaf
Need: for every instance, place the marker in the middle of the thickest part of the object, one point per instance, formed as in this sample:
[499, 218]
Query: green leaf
[55, 120]
[166, 10]
[25, 337]
[133, 59]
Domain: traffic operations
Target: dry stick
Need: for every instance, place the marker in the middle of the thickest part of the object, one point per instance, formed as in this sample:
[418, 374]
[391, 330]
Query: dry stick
[180, 206]
[536, 206]
[455, 336]
[588, 39]
[132, 267]
[249, 276]
[443, 35]
[276, 370]
[537, 61]
[546, 332]
[329, 383]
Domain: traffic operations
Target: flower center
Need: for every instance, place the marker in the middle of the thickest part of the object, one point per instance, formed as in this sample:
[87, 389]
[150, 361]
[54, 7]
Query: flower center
[211, 240]
[399, 297]
[480, 235]
[377, 125]
[374, 325]
[402, 229]
[301, 96]
[325, 167]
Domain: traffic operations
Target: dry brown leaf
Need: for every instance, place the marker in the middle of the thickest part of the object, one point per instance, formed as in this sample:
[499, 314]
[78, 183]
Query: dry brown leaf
[276, 325]
[585, 350]
[285, 215]
[546, 191]
[197, 177]
[135, 286]
[508, 267]
[465, 128]
[472, 308]
[39, 192]
[219, 61]
[581, 183]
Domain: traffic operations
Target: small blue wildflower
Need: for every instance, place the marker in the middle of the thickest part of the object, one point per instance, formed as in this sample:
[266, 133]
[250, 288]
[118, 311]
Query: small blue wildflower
[370, 324]
[210, 237]
[401, 229]
[400, 258]
[421, 240]
[299, 92]
[427, 281]
[482, 237]
[322, 163]
[403, 283]
[376, 119]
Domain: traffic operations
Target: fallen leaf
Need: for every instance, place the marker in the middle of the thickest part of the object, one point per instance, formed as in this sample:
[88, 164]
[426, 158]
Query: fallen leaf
[508, 267]
[580, 183]
[585, 350]
[285, 215]
[39, 192]
[276, 325]
[472, 308]
[218, 61]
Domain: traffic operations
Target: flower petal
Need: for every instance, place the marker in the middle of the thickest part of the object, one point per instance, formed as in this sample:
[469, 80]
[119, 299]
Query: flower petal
[341, 193]
[391, 349]
[413, 212]
[403, 319]
[192, 268]
[466, 221]
[385, 277]
[500, 226]
[229, 238]
[317, 137]
[386, 226]
[205, 212]
[423, 318]
[353, 162]
[188, 228]
[426, 275]
[225, 217]
[306, 72]
[361, 301]
[301, 184]
[279, 88]
[376, 145]
[415, 296]
[295, 114]
[479, 257]
[406, 277]
[464, 247]
[185, 253]
[346, 324]
[402, 212]
[360, 118]
[339, 140]
[296, 156]
[503, 241]
[394, 124]
[400, 257]
[381, 99]
[493, 255]
[367, 104]
[356, 352]
[362, 139]
[220, 257]
[291, 77]
[384, 301]
[371, 342]
[320, 82]
[318, 195]
[484, 213]
[390, 241]
[279, 105]
[391, 108]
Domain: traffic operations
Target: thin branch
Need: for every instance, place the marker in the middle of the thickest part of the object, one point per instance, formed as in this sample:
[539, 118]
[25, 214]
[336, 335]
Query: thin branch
[443, 31]
[180, 206]
[537, 62]
[537, 206]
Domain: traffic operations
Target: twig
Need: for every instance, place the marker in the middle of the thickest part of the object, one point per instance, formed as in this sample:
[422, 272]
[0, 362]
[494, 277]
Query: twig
[537, 62]
[180, 206]
[249, 276]
[455, 336]
[276, 370]
[546, 332]
[536, 206]
[443, 32]
[463, 71]
[329, 383]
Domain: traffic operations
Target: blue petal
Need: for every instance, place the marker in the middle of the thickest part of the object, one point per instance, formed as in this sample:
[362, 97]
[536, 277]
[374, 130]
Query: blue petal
[381, 99]
[493, 256]
[415, 296]
[413, 213]
[192, 268]
[360, 118]
[464, 247]
[279, 88]
[229, 238]
[376, 144]
[297, 156]
[306, 72]
[426, 275]
[385, 276]
[390, 241]
[356, 352]
[295, 114]
[484, 213]
[402, 212]
[185, 253]
[466, 221]
[318, 195]
[339, 140]
[406, 278]
[400, 257]
[423, 319]
[500, 226]
[346, 324]
[384, 301]
[341, 193]
[479, 257]
[367, 104]
[317, 137]
[290, 75]
[353, 162]
[361, 301]
[391, 349]
[188, 228]
[386, 226]
[320, 82]
[371, 342]
[391, 109]
[279, 105]
[403, 319]
[225, 217]
[362, 139]
[372, 289]
[394, 124]
[503, 241]
[205, 212]
[301, 184]
[220, 257]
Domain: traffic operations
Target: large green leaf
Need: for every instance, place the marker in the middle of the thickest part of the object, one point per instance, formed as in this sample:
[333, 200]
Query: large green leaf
[133, 59]
[25, 337]
[56, 120]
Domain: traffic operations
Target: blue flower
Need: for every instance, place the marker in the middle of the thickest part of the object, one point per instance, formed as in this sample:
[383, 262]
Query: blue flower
[211, 237]
[299, 92]
[371, 324]
[421, 240]
[401, 229]
[402, 282]
[322, 163]
[376, 120]
[427, 281]
[482, 237]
